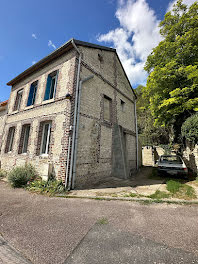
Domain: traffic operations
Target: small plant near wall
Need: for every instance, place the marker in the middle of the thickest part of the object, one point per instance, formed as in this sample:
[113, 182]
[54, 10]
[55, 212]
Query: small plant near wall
[3, 174]
[20, 176]
[50, 187]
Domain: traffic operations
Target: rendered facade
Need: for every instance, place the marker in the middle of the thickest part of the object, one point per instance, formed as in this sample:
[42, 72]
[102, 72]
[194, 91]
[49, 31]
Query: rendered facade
[72, 115]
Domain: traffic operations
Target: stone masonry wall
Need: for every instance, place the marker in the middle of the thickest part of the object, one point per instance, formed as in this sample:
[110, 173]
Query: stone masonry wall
[57, 110]
[190, 155]
[94, 156]
[2, 123]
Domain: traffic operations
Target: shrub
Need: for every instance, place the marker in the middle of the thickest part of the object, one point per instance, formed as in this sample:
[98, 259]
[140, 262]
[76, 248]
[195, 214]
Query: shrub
[21, 175]
[189, 129]
[49, 187]
[3, 174]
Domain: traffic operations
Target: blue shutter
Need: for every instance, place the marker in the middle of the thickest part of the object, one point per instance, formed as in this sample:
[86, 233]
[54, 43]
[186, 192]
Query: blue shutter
[30, 95]
[47, 91]
[56, 82]
[34, 93]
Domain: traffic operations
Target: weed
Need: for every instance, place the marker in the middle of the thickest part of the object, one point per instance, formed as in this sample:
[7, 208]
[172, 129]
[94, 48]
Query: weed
[3, 174]
[159, 195]
[50, 187]
[133, 195]
[181, 191]
[173, 186]
[103, 221]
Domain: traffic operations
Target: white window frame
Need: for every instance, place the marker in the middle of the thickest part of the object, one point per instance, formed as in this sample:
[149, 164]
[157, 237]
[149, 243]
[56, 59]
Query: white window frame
[20, 92]
[10, 147]
[48, 138]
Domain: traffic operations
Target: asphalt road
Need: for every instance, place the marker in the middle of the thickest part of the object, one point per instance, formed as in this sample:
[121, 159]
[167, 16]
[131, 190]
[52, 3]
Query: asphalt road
[58, 230]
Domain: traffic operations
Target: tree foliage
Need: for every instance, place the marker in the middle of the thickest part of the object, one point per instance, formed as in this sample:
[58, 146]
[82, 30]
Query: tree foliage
[172, 85]
[190, 129]
[148, 133]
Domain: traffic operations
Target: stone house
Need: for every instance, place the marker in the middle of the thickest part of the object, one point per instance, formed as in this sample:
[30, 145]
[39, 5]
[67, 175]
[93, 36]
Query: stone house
[73, 115]
[3, 115]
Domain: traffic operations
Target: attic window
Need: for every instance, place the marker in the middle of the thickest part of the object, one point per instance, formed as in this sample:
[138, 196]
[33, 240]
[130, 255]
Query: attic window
[18, 100]
[100, 57]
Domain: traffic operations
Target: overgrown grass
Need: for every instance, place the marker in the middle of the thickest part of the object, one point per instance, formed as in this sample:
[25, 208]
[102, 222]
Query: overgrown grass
[173, 186]
[103, 221]
[3, 174]
[159, 195]
[50, 187]
[180, 190]
[131, 195]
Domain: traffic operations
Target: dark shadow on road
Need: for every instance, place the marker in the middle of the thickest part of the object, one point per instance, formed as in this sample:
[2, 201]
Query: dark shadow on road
[144, 177]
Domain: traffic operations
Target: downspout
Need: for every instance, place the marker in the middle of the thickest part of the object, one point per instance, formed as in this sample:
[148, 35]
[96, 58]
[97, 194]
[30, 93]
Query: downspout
[136, 129]
[74, 121]
[77, 128]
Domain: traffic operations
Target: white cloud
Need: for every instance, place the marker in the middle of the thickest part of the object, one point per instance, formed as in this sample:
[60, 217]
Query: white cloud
[51, 44]
[33, 62]
[34, 36]
[186, 2]
[134, 40]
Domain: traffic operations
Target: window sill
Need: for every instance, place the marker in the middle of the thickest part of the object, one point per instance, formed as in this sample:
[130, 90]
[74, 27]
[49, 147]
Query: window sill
[44, 156]
[29, 107]
[48, 101]
[15, 111]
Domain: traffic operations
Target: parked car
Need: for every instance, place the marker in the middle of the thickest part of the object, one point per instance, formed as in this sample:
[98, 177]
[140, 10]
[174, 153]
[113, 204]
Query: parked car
[172, 164]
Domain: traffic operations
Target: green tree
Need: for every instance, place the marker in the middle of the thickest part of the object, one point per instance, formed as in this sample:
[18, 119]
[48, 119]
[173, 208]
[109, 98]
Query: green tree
[148, 133]
[172, 85]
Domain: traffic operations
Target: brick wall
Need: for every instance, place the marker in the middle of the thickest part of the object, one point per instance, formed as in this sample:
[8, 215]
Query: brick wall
[57, 110]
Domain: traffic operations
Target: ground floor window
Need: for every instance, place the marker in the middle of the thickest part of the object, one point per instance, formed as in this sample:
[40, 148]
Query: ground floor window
[23, 144]
[45, 142]
[10, 139]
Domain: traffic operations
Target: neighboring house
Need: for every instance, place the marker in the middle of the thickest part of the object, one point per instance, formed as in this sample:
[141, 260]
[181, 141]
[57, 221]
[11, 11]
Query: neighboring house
[72, 114]
[3, 115]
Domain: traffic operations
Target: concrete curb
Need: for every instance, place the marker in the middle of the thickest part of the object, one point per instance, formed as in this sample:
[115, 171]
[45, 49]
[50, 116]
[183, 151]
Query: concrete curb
[144, 200]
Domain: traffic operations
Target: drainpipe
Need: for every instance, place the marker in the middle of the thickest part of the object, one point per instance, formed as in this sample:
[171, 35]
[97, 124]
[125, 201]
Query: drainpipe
[136, 129]
[74, 122]
[77, 128]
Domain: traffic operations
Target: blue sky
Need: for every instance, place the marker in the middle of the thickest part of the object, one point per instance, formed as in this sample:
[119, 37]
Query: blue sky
[30, 30]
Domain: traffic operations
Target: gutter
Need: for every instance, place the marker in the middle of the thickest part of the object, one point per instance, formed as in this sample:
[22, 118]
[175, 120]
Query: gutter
[72, 146]
[77, 129]
[136, 129]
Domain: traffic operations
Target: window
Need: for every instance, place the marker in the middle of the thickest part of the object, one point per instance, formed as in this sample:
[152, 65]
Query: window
[107, 108]
[10, 139]
[51, 85]
[122, 105]
[32, 94]
[23, 144]
[45, 142]
[18, 100]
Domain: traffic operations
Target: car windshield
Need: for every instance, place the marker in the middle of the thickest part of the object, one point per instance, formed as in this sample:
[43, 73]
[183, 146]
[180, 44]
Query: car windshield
[171, 159]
